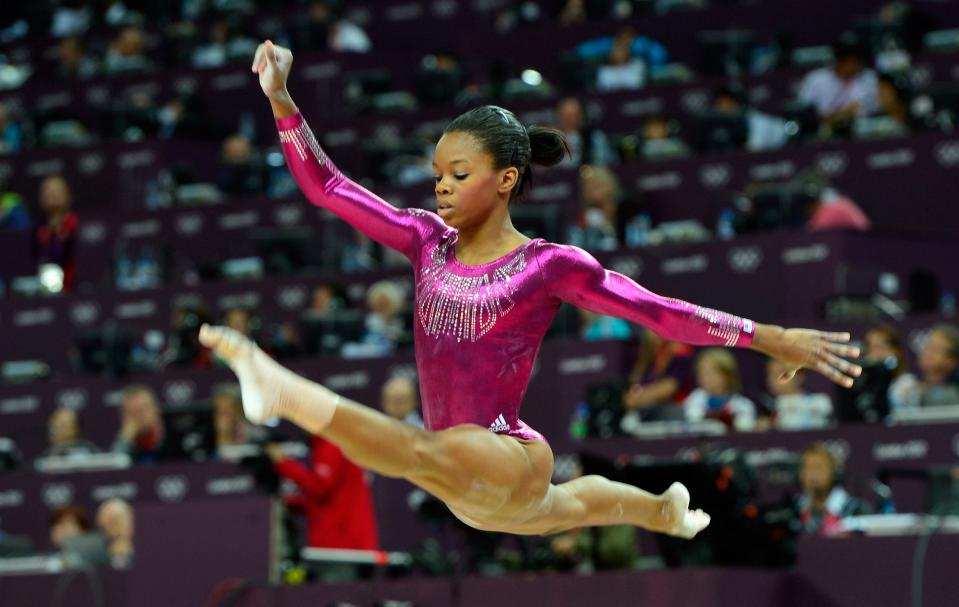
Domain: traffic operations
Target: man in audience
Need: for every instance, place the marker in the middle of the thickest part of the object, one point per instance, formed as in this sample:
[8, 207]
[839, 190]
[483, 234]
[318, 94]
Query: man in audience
[764, 131]
[587, 144]
[115, 520]
[398, 400]
[141, 426]
[843, 91]
[63, 430]
[334, 495]
[68, 522]
[823, 502]
[939, 366]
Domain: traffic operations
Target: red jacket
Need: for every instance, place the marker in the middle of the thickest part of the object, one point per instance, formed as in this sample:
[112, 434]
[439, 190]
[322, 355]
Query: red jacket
[335, 497]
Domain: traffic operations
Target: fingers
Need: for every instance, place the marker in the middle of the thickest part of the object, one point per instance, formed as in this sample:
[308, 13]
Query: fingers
[257, 58]
[788, 375]
[843, 365]
[270, 53]
[834, 374]
[833, 337]
[846, 351]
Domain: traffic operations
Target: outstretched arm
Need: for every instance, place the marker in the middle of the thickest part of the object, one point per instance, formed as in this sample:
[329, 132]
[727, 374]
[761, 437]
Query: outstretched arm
[318, 177]
[574, 276]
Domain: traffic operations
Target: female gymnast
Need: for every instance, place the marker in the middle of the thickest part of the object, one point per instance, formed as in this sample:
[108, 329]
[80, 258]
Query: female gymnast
[485, 295]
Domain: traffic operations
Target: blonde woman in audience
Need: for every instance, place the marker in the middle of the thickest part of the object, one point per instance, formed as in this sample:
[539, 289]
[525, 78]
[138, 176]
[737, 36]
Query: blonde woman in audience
[717, 395]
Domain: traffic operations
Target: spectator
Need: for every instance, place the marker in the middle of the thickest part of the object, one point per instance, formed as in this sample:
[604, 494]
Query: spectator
[313, 29]
[399, 401]
[67, 523]
[659, 382]
[938, 365]
[596, 227]
[55, 239]
[348, 37]
[384, 327]
[792, 407]
[141, 426]
[229, 424]
[843, 91]
[657, 127]
[587, 144]
[882, 344]
[240, 319]
[717, 395]
[74, 61]
[70, 18]
[225, 44]
[64, 434]
[650, 52]
[11, 134]
[324, 301]
[831, 210]
[623, 70]
[334, 495]
[115, 520]
[763, 131]
[892, 101]
[185, 349]
[127, 52]
[241, 169]
[823, 502]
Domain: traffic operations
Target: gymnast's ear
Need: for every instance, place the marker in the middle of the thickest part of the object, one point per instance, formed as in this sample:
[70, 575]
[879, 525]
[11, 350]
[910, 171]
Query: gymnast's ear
[508, 179]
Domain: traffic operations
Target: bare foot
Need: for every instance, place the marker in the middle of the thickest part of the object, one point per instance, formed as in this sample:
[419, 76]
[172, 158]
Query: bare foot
[680, 520]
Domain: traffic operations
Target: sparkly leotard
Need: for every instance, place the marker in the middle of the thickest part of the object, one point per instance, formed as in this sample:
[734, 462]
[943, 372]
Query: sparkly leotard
[478, 328]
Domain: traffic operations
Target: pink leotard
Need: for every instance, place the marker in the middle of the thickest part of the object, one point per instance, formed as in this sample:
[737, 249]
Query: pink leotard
[478, 328]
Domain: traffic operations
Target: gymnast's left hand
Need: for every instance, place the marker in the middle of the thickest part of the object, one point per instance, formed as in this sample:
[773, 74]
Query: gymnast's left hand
[819, 351]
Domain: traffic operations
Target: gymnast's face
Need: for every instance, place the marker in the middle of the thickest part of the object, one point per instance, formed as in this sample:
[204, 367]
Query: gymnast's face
[468, 187]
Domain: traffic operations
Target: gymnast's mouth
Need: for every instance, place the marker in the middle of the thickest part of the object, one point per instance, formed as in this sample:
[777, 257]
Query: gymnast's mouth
[440, 205]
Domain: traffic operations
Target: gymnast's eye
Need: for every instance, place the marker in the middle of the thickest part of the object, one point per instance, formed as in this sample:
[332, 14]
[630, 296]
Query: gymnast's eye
[461, 177]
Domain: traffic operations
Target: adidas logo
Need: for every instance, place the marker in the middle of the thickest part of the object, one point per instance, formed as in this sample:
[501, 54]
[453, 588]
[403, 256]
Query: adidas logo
[499, 424]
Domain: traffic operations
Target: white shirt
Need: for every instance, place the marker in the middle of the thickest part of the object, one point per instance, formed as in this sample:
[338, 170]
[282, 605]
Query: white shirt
[743, 410]
[803, 411]
[824, 89]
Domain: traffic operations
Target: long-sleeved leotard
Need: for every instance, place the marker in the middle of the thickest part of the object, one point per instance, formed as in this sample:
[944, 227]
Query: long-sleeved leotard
[478, 329]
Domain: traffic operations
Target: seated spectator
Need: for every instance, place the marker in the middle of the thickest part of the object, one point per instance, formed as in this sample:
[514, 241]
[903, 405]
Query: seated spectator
[717, 395]
[70, 18]
[185, 349]
[64, 433]
[893, 102]
[764, 131]
[240, 319]
[324, 300]
[398, 400]
[587, 144]
[66, 523]
[334, 495]
[384, 326]
[651, 53]
[596, 227]
[55, 239]
[11, 134]
[939, 367]
[623, 70]
[842, 91]
[831, 210]
[229, 424]
[348, 37]
[115, 520]
[793, 408]
[823, 502]
[74, 61]
[659, 382]
[141, 425]
[312, 30]
[225, 44]
[882, 344]
[127, 52]
[241, 170]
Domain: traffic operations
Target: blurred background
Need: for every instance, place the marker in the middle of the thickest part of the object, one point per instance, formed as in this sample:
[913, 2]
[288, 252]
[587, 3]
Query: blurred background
[793, 162]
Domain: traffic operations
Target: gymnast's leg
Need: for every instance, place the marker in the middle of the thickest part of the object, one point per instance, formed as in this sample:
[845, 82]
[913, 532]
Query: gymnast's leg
[467, 467]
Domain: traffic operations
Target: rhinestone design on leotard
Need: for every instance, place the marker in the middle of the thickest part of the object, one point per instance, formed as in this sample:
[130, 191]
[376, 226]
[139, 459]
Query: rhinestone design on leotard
[302, 138]
[720, 324]
[464, 307]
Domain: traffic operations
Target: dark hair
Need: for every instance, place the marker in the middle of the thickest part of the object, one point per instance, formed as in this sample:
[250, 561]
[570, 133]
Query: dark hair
[510, 143]
[75, 512]
[891, 337]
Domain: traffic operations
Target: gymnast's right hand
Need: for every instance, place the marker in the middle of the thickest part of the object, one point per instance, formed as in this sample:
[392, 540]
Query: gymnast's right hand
[273, 63]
